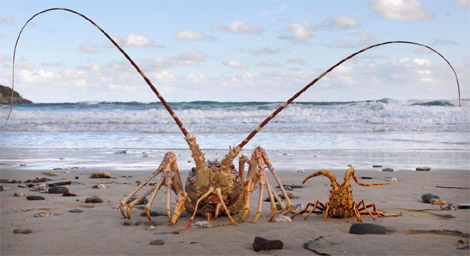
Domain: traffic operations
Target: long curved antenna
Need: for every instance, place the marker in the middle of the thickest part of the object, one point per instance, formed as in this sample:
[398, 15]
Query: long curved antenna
[350, 172]
[170, 110]
[326, 173]
[254, 132]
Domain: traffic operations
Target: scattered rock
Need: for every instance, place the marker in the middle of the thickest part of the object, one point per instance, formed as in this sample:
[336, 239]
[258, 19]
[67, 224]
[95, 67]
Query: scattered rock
[287, 187]
[423, 169]
[264, 244]
[463, 206]
[387, 170]
[377, 166]
[367, 228]
[99, 186]
[24, 194]
[32, 198]
[76, 177]
[2, 188]
[439, 201]
[300, 170]
[38, 187]
[37, 180]
[9, 181]
[157, 242]
[290, 195]
[93, 200]
[390, 179]
[151, 227]
[141, 202]
[100, 175]
[57, 190]
[42, 214]
[22, 231]
[49, 174]
[201, 224]
[68, 194]
[366, 178]
[76, 210]
[427, 197]
[283, 218]
[60, 183]
[127, 223]
[120, 152]
[145, 155]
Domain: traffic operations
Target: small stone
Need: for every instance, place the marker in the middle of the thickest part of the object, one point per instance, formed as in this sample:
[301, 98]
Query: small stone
[387, 170]
[99, 186]
[287, 187]
[157, 242]
[2, 188]
[127, 223]
[283, 218]
[93, 200]
[141, 202]
[38, 187]
[151, 227]
[42, 214]
[376, 166]
[366, 178]
[75, 211]
[367, 228]
[49, 174]
[201, 224]
[32, 198]
[264, 244]
[68, 194]
[57, 190]
[423, 169]
[120, 152]
[390, 179]
[463, 206]
[439, 201]
[20, 194]
[427, 197]
[194, 242]
[100, 175]
[175, 232]
[300, 170]
[22, 231]
[298, 207]
[60, 183]
[145, 155]
[153, 214]
[76, 177]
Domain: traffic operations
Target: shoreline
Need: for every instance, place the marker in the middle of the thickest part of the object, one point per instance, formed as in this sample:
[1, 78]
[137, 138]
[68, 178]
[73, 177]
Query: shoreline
[101, 229]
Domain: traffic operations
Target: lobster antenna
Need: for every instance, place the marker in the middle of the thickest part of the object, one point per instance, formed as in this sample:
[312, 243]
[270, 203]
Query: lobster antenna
[170, 110]
[266, 121]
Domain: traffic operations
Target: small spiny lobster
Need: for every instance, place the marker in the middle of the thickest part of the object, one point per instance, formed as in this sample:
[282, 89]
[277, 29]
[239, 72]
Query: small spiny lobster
[213, 188]
[341, 203]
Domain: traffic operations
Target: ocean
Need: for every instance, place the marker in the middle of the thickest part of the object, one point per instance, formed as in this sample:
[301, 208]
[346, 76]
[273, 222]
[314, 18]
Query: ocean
[401, 134]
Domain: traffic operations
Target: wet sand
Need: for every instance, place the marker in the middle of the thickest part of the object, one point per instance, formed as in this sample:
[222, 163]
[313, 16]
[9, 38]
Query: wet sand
[100, 229]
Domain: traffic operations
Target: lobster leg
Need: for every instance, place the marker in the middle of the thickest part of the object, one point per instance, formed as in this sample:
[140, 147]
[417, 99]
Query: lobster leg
[318, 205]
[375, 212]
[211, 189]
[219, 194]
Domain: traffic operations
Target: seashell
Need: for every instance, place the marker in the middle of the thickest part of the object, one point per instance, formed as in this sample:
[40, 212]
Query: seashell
[42, 214]
[20, 194]
[283, 218]
[99, 186]
[201, 224]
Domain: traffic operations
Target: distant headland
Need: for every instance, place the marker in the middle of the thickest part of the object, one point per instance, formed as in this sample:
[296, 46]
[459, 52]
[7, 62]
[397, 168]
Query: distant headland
[5, 96]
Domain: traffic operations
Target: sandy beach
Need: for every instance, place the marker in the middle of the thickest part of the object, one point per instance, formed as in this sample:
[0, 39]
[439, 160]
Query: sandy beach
[100, 229]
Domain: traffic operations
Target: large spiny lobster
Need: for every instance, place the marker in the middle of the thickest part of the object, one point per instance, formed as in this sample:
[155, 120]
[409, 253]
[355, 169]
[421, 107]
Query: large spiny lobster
[213, 188]
[341, 203]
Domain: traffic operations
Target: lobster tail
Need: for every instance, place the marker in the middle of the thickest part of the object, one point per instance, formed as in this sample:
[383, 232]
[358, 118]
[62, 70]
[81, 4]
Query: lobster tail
[326, 173]
[160, 97]
[266, 121]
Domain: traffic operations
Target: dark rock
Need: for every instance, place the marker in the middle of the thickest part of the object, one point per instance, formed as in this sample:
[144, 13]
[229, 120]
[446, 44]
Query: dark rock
[376, 166]
[264, 244]
[366, 178]
[37, 180]
[76, 177]
[2, 188]
[463, 206]
[93, 200]
[153, 214]
[60, 183]
[32, 198]
[22, 231]
[157, 242]
[57, 190]
[287, 187]
[143, 201]
[423, 169]
[120, 152]
[76, 211]
[428, 197]
[127, 223]
[68, 194]
[194, 242]
[367, 228]
[387, 170]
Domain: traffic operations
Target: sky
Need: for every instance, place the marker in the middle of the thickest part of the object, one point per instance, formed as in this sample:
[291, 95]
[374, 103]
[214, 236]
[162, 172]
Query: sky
[236, 50]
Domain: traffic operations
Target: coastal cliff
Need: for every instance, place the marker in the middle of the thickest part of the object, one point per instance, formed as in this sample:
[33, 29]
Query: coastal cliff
[5, 96]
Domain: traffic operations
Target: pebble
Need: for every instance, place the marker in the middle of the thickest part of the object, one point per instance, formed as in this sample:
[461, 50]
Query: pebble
[390, 179]
[98, 175]
[42, 214]
[367, 228]
[2, 188]
[387, 170]
[120, 152]
[24, 194]
[68, 194]
[366, 178]
[264, 244]
[201, 224]
[99, 186]
[423, 169]
[94, 200]
[22, 231]
[37, 180]
[76, 211]
[298, 207]
[38, 187]
[283, 218]
[428, 197]
[157, 242]
[376, 166]
[32, 198]
[300, 170]
[150, 227]
[57, 190]
[60, 183]
[463, 206]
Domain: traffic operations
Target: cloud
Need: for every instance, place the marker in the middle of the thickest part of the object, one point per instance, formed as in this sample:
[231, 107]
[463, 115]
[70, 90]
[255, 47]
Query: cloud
[240, 27]
[298, 32]
[7, 20]
[268, 64]
[400, 9]
[264, 51]
[84, 47]
[440, 41]
[363, 39]
[463, 3]
[342, 22]
[298, 61]
[133, 40]
[189, 58]
[235, 64]
[281, 8]
[193, 36]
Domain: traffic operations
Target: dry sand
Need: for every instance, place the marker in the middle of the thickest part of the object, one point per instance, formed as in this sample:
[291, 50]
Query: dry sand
[100, 230]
